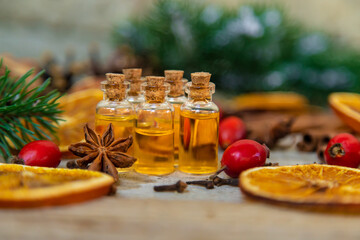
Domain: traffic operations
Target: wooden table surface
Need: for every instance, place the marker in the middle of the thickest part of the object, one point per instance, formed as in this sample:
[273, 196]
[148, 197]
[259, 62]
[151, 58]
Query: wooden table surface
[136, 212]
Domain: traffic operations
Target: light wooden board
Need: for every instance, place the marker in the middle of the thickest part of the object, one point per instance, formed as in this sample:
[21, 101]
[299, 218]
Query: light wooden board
[117, 218]
[136, 212]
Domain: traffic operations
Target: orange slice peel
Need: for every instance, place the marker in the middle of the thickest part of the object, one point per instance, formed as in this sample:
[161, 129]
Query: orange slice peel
[24, 186]
[79, 109]
[308, 185]
[271, 101]
[347, 107]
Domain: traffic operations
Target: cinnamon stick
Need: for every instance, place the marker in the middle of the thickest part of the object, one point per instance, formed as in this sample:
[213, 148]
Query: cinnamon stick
[269, 130]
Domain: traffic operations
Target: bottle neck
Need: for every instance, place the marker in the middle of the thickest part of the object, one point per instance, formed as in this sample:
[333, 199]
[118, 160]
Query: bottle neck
[114, 97]
[114, 91]
[154, 98]
[177, 88]
[135, 88]
[200, 92]
[155, 93]
[196, 98]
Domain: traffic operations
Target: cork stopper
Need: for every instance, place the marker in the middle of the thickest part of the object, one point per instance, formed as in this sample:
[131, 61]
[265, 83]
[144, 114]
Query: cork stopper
[200, 87]
[115, 77]
[133, 75]
[115, 87]
[173, 75]
[155, 81]
[155, 89]
[176, 81]
[200, 78]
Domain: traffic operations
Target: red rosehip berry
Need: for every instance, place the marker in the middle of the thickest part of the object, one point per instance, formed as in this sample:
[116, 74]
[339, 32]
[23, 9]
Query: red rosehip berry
[231, 129]
[242, 155]
[41, 153]
[343, 150]
[221, 113]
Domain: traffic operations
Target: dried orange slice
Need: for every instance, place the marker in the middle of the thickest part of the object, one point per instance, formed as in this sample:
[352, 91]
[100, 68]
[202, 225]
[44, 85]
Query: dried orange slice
[270, 101]
[347, 108]
[79, 108]
[24, 186]
[304, 184]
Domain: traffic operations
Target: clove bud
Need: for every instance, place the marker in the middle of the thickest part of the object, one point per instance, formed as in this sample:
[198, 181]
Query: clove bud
[218, 181]
[270, 164]
[72, 164]
[179, 186]
[204, 183]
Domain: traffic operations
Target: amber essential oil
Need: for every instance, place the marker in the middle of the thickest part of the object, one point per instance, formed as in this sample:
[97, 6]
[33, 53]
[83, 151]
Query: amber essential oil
[176, 97]
[199, 126]
[154, 133]
[176, 107]
[115, 109]
[155, 151]
[123, 126]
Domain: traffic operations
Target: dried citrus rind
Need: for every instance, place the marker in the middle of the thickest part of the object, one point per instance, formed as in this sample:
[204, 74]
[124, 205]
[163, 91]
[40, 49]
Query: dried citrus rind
[304, 184]
[347, 107]
[24, 186]
[79, 109]
[270, 101]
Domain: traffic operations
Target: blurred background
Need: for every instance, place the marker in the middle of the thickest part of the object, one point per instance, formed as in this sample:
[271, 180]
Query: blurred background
[309, 46]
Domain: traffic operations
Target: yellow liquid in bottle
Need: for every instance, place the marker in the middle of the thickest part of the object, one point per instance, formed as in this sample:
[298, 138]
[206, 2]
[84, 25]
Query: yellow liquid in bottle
[154, 150]
[123, 127]
[198, 150]
[176, 131]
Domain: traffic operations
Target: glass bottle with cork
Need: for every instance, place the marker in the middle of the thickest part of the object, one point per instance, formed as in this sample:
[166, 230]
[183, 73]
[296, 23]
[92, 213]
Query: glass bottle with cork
[176, 97]
[199, 127]
[133, 76]
[154, 133]
[115, 109]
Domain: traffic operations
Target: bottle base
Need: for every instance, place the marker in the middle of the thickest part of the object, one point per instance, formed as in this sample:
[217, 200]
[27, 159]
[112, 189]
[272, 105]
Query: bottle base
[154, 171]
[198, 170]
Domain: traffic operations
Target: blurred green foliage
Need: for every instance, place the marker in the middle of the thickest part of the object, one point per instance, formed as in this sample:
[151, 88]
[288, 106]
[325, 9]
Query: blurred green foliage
[248, 48]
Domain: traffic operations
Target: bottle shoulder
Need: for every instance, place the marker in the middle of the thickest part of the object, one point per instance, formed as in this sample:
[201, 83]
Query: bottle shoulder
[154, 106]
[114, 104]
[155, 116]
[177, 100]
[200, 106]
[105, 107]
[136, 99]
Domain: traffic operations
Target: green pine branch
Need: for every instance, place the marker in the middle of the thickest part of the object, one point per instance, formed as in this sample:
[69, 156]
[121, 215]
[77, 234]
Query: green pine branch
[26, 114]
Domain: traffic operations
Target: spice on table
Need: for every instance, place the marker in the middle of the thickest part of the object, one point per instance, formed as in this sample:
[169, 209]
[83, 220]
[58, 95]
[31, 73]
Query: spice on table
[270, 164]
[16, 160]
[312, 139]
[72, 164]
[112, 191]
[218, 181]
[179, 186]
[104, 154]
[320, 152]
[208, 184]
[223, 168]
[268, 128]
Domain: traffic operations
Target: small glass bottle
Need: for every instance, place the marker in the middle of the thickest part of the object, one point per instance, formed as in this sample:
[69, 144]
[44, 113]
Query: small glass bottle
[115, 109]
[176, 97]
[133, 76]
[154, 130]
[199, 127]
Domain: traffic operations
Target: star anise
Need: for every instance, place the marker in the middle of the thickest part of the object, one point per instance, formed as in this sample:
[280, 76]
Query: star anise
[103, 153]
